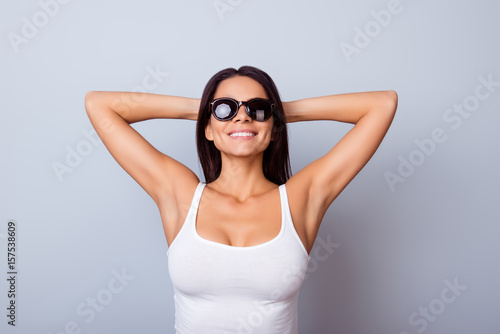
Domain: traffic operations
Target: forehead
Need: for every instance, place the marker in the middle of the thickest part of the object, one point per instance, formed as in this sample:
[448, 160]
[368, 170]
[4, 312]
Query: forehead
[240, 88]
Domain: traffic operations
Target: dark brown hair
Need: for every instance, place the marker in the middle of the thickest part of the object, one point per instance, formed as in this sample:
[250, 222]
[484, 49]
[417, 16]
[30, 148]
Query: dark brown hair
[276, 162]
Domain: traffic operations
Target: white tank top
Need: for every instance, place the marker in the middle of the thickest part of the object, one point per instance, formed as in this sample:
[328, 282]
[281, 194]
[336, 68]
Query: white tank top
[220, 288]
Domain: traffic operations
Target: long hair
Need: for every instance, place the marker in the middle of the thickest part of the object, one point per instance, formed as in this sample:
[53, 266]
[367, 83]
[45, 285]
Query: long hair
[276, 162]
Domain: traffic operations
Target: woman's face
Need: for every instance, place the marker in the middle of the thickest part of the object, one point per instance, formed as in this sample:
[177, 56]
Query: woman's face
[256, 135]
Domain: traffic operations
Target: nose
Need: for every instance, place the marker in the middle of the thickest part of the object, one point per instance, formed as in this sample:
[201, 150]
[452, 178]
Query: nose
[242, 115]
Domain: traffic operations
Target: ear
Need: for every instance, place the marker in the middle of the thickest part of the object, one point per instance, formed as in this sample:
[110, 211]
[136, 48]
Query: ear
[208, 131]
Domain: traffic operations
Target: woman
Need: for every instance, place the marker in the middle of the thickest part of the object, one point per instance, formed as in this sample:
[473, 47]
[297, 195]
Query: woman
[239, 242]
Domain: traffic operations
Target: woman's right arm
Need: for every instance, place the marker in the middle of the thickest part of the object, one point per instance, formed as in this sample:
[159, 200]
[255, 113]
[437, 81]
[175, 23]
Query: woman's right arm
[111, 114]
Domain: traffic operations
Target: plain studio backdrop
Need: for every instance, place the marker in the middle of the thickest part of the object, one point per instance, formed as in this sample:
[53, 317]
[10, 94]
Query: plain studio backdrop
[409, 247]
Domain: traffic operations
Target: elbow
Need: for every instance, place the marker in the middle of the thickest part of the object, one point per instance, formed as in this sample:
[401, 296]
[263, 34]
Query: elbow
[393, 99]
[388, 103]
[90, 101]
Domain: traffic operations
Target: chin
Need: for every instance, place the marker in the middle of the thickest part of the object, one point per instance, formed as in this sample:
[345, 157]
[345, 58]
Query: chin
[243, 150]
[244, 153]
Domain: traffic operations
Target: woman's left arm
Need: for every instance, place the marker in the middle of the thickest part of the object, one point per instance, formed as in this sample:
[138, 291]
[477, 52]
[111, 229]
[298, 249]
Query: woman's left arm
[320, 182]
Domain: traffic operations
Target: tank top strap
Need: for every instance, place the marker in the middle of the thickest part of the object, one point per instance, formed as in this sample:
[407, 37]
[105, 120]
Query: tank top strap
[195, 203]
[197, 196]
[285, 211]
[285, 208]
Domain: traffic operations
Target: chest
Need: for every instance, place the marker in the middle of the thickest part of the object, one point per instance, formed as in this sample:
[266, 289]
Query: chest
[224, 220]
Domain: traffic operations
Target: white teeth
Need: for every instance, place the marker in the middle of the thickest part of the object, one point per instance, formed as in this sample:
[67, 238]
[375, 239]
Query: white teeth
[242, 134]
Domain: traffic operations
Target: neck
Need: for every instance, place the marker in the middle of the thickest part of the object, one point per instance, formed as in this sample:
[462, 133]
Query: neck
[242, 177]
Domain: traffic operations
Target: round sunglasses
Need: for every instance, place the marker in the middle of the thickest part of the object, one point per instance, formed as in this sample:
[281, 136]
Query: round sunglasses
[225, 108]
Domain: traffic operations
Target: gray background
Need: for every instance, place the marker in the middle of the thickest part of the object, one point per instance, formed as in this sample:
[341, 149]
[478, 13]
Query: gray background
[396, 246]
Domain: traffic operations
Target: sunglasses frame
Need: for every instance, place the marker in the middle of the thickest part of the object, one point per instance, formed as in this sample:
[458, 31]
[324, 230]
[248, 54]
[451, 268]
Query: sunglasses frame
[239, 104]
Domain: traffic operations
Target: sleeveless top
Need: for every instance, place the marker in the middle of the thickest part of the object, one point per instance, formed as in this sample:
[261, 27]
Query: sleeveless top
[220, 288]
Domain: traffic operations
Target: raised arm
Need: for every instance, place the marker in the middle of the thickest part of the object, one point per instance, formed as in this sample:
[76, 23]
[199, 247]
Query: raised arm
[111, 114]
[315, 187]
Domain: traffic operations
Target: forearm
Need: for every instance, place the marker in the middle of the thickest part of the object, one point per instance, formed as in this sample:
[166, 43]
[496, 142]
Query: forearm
[135, 107]
[348, 108]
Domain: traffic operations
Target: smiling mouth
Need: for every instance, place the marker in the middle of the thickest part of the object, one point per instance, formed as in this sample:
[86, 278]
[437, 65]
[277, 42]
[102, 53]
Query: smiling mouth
[242, 134]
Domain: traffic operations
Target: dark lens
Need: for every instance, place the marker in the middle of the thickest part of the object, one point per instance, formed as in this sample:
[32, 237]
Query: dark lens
[223, 109]
[260, 110]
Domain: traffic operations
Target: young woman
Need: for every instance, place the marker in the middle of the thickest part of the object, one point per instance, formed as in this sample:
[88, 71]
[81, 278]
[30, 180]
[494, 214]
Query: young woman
[239, 242]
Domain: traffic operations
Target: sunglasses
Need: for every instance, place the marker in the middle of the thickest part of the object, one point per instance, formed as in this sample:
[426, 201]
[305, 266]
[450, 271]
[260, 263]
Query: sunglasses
[225, 108]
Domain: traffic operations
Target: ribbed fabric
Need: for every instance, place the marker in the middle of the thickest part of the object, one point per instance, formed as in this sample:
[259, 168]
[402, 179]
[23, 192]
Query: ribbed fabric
[226, 289]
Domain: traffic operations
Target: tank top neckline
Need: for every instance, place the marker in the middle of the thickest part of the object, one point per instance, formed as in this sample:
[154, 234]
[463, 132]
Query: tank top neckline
[219, 244]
